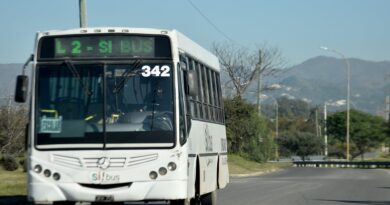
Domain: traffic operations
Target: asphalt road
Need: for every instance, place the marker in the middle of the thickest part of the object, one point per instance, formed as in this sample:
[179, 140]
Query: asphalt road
[310, 186]
[299, 186]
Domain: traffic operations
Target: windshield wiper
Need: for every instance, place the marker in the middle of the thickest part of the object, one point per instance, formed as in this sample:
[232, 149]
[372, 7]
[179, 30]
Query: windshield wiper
[124, 77]
[76, 74]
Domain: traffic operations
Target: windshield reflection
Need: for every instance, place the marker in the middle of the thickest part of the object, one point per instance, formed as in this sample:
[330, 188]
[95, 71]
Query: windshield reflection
[121, 105]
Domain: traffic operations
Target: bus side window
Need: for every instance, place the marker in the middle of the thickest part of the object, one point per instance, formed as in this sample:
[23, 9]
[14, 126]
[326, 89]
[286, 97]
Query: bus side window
[191, 103]
[220, 100]
[205, 92]
[200, 93]
[185, 120]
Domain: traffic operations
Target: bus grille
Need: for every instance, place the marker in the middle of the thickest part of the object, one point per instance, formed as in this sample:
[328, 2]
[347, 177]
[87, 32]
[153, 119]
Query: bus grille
[92, 162]
[114, 162]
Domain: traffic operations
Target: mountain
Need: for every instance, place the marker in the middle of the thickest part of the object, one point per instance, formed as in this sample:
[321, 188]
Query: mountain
[324, 79]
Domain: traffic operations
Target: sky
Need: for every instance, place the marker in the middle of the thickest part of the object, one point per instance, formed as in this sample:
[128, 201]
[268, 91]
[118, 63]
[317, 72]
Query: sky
[356, 28]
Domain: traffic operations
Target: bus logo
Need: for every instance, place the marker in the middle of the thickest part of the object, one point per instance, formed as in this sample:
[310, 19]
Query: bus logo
[104, 177]
[103, 163]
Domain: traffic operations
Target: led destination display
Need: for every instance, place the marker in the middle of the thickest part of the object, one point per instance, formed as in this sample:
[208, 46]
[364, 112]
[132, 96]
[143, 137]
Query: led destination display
[123, 46]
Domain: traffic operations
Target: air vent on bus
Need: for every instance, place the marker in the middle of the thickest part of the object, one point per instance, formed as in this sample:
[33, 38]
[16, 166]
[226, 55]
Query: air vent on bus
[67, 161]
[135, 160]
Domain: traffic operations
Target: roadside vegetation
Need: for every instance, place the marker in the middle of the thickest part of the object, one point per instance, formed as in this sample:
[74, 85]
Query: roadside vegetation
[367, 133]
[13, 183]
[241, 166]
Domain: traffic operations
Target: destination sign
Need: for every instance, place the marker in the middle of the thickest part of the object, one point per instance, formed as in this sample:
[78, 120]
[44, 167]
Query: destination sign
[102, 46]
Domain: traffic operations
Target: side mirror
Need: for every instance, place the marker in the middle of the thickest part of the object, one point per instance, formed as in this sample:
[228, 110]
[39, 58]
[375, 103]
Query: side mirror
[21, 88]
[192, 88]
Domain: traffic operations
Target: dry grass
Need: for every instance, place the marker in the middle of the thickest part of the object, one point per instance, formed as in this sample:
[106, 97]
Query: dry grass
[239, 165]
[12, 182]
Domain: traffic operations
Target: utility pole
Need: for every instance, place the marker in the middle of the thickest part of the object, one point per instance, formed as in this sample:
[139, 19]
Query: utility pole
[387, 108]
[325, 131]
[317, 131]
[258, 68]
[83, 13]
[387, 100]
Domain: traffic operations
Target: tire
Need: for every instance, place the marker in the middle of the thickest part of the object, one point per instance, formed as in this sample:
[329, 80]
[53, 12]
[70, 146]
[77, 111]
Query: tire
[64, 203]
[209, 199]
[181, 202]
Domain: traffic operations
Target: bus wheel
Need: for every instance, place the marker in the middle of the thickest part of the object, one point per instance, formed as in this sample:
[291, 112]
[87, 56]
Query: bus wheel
[209, 199]
[181, 202]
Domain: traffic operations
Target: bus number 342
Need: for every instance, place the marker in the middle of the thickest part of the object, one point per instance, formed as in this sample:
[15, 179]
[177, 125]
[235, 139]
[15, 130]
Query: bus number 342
[157, 71]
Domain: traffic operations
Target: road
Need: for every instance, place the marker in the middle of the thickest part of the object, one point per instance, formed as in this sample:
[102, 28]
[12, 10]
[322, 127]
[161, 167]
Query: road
[301, 186]
[310, 186]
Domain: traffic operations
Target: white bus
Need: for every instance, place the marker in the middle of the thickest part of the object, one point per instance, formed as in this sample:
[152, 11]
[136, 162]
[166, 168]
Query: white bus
[123, 114]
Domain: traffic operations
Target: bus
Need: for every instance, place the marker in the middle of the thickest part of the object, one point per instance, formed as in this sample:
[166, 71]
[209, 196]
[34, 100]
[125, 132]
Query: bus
[123, 115]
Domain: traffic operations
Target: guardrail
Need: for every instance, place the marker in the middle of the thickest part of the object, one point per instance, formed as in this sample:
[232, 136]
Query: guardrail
[342, 164]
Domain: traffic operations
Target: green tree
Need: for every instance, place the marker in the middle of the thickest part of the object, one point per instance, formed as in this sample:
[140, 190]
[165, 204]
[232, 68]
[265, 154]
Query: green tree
[292, 108]
[298, 143]
[248, 134]
[366, 131]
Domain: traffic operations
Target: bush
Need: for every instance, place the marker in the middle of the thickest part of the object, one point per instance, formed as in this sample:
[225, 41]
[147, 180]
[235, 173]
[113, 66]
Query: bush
[9, 163]
[248, 134]
[23, 163]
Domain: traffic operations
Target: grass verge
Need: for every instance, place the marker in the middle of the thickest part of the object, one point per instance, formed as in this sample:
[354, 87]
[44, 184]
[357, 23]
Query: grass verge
[12, 182]
[241, 166]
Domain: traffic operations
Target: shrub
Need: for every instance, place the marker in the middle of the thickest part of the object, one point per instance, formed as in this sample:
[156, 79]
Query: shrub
[23, 163]
[9, 163]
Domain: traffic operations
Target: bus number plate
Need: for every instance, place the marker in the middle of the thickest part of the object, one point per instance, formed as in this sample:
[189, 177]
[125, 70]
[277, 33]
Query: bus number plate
[104, 198]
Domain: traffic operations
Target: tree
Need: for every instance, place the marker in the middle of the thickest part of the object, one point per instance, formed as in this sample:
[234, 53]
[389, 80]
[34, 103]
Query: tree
[366, 131]
[13, 121]
[302, 144]
[244, 66]
[248, 134]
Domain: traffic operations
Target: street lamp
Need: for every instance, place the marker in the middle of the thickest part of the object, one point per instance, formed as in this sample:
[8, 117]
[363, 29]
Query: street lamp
[348, 91]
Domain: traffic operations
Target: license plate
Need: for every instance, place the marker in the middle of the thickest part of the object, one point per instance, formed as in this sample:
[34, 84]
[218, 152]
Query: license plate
[104, 198]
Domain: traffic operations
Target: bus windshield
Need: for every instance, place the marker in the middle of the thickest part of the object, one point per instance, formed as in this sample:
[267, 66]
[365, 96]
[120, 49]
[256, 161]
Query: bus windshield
[104, 105]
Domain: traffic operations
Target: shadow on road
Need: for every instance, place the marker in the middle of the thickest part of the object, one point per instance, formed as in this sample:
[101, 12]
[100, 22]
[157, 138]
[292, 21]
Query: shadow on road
[22, 200]
[357, 202]
[13, 200]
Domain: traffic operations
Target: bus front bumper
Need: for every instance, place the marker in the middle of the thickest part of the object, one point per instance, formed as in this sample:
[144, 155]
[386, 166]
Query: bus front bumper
[137, 191]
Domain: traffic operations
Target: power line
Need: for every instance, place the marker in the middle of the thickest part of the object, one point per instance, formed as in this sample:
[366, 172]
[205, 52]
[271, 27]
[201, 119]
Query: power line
[210, 22]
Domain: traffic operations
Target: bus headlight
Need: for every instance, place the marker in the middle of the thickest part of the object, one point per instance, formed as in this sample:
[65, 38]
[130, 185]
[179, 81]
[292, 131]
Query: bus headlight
[38, 168]
[162, 171]
[172, 166]
[153, 175]
[47, 173]
[56, 176]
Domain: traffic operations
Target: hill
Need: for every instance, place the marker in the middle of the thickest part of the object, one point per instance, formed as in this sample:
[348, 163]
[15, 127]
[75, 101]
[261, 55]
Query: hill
[323, 79]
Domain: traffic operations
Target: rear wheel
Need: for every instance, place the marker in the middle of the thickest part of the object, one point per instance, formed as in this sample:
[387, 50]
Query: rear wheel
[209, 199]
[181, 202]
